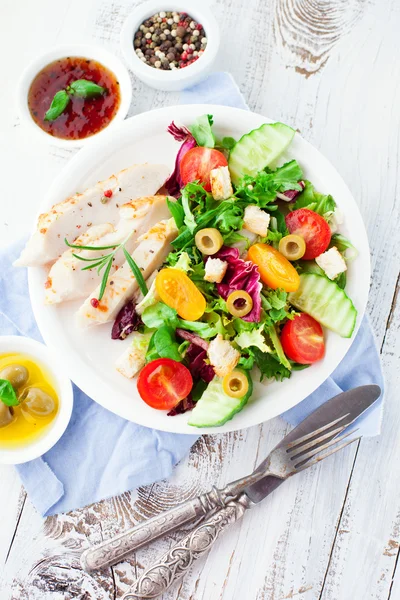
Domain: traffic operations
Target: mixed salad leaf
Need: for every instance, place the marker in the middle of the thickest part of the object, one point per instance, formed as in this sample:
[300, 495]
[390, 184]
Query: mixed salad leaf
[257, 267]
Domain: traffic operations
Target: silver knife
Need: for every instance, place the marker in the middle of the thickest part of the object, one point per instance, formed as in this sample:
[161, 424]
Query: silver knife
[348, 405]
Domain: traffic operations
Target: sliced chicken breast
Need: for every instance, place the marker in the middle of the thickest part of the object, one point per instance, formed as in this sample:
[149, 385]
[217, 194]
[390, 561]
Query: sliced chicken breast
[134, 357]
[150, 253]
[67, 280]
[97, 205]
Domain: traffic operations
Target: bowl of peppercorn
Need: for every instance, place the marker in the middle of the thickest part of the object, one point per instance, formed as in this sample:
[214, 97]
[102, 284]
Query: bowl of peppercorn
[170, 46]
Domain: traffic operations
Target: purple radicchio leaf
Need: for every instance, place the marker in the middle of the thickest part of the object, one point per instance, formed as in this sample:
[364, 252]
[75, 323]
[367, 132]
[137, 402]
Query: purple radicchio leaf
[240, 275]
[196, 360]
[182, 407]
[127, 321]
[181, 134]
[290, 195]
[192, 338]
[199, 369]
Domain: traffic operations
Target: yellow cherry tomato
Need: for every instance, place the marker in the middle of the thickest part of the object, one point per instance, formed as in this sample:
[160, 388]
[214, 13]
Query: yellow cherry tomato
[275, 270]
[179, 292]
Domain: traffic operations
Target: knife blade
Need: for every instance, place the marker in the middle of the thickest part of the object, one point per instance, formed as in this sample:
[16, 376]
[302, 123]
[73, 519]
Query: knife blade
[352, 403]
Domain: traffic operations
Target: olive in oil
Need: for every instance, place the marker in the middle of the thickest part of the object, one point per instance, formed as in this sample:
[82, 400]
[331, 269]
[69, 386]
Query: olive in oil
[25, 426]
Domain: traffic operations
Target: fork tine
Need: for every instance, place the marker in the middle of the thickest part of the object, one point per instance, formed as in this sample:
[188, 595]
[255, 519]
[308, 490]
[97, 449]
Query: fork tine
[319, 458]
[317, 450]
[314, 433]
[317, 442]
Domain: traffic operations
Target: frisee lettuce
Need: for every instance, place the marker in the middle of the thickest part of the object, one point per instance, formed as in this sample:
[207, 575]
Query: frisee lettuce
[323, 204]
[263, 188]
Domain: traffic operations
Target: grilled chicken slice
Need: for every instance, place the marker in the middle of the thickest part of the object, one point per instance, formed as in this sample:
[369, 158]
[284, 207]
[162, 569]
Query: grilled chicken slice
[92, 207]
[134, 357]
[67, 280]
[153, 248]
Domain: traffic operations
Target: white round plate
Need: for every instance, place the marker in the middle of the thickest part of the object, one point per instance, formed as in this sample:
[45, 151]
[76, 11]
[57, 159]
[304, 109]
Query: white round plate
[89, 355]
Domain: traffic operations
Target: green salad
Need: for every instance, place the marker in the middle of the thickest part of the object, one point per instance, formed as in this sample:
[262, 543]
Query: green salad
[257, 270]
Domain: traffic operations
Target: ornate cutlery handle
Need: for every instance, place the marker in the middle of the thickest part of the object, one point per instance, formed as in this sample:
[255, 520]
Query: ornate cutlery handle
[175, 563]
[114, 550]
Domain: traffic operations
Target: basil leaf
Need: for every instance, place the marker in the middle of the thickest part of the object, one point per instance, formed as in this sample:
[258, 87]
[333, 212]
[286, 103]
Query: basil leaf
[165, 343]
[7, 393]
[57, 106]
[86, 89]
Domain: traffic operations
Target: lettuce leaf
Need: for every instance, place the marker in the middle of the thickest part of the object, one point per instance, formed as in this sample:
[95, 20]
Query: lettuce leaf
[262, 189]
[344, 246]
[323, 204]
[165, 343]
[177, 212]
[183, 263]
[246, 339]
[160, 314]
[202, 131]
[270, 366]
[189, 218]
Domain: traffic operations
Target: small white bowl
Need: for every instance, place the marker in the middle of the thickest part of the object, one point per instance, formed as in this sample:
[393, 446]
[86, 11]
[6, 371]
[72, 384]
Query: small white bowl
[107, 59]
[171, 81]
[63, 387]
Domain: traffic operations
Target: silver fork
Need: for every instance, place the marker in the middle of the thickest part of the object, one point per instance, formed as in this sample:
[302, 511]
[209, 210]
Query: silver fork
[282, 463]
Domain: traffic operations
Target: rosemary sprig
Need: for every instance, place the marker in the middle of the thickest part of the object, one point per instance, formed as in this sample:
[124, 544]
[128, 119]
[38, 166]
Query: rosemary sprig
[137, 272]
[104, 263]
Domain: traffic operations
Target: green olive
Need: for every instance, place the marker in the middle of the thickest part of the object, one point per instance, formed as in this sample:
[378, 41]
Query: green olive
[292, 246]
[37, 403]
[209, 241]
[6, 415]
[239, 303]
[17, 375]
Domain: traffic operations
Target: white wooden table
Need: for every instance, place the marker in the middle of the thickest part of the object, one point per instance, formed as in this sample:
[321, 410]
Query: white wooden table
[331, 68]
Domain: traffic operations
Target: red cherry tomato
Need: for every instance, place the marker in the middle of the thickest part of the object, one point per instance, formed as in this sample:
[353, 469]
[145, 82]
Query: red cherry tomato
[312, 228]
[302, 339]
[197, 164]
[163, 383]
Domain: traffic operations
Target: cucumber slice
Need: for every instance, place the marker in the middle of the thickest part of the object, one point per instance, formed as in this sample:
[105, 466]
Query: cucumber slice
[321, 298]
[215, 407]
[258, 149]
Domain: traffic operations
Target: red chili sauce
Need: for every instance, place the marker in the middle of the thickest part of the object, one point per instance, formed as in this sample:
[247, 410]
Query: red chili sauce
[83, 116]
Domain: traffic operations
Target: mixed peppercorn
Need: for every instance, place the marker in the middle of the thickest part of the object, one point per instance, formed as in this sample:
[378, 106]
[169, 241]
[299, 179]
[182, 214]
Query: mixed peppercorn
[170, 40]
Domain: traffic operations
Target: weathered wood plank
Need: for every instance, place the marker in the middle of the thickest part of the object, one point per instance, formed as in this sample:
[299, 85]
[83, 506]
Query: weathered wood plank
[12, 500]
[369, 531]
[293, 64]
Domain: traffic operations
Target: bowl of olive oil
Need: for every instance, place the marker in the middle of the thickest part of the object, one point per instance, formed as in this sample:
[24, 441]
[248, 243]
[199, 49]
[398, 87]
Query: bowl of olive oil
[36, 399]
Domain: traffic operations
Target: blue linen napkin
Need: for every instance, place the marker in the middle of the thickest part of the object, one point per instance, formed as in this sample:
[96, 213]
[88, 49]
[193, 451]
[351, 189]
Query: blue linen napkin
[101, 455]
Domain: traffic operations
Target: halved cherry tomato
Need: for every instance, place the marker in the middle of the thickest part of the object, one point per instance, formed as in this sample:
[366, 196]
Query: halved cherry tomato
[197, 164]
[275, 270]
[302, 339]
[179, 292]
[312, 228]
[163, 383]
